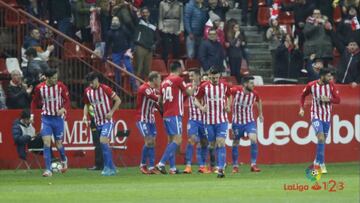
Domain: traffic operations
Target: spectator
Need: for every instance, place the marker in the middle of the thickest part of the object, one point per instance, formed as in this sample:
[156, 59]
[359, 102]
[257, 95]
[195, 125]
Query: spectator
[326, 9]
[170, 26]
[119, 39]
[154, 8]
[24, 134]
[347, 27]
[18, 93]
[2, 98]
[245, 10]
[60, 15]
[288, 62]
[236, 40]
[195, 18]
[33, 40]
[126, 13]
[211, 53]
[219, 8]
[313, 67]
[349, 64]
[216, 23]
[317, 40]
[105, 7]
[275, 35]
[82, 18]
[35, 68]
[145, 39]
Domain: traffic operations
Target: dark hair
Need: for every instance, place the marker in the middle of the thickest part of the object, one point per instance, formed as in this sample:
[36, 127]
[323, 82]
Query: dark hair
[25, 114]
[50, 72]
[247, 79]
[324, 71]
[92, 76]
[31, 52]
[195, 70]
[213, 70]
[153, 75]
[144, 8]
[174, 66]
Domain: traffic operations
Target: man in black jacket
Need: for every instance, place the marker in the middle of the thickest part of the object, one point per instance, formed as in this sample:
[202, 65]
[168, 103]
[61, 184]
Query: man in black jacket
[211, 53]
[18, 93]
[145, 39]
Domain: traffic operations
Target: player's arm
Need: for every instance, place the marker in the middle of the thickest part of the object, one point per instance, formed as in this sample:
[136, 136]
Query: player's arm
[66, 99]
[305, 93]
[229, 95]
[198, 98]
[335, 99]
[117, 102]
[260, 109]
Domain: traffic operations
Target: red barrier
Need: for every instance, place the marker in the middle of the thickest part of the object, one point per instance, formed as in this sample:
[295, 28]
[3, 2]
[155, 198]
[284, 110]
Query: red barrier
[284, 137]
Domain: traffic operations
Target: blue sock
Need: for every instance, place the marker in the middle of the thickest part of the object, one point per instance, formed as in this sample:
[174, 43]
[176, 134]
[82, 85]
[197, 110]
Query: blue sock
[235, 155]
[320, 153]
[170, 149]
[212, 157]
[110, 158]
[221, 155]
[144, 155]
[172, 161]
[204, 154]
[105, 149]
[254, 152]
[151, 155]
[189, 153]
[62, 153]
[199, 156]
[47, 158]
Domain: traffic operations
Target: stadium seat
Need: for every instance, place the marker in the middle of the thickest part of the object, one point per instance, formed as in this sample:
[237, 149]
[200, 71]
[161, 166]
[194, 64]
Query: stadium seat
[337, 14]
[286, 18]
[159, 66]
[263, 16]
[262, 2]
[12, 19]
[192, 63]
[258, 80]
[71, 51]
[4, 74]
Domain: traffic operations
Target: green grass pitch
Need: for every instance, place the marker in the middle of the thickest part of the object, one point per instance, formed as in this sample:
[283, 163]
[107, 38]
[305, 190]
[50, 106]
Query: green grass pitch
[80, 185]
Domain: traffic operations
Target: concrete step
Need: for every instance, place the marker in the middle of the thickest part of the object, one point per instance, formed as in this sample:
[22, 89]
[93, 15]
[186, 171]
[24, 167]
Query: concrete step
[258, 45]
[262, 72]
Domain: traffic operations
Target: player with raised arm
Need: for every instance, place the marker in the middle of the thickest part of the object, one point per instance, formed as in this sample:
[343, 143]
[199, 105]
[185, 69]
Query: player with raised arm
[100, 97]
[146, 104]
[217, 100]
[172, 93]
[196, 130]
[324, 94]
[243, 120]
[53, 97]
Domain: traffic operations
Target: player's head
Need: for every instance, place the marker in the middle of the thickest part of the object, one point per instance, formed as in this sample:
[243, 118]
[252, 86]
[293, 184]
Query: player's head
[93, 78]
[155, 78]
[214, 75]
[175, 67]
[194, 74]
[248, 83]
[325, 75]
[51, 76]
[204, 77]
[25, 117]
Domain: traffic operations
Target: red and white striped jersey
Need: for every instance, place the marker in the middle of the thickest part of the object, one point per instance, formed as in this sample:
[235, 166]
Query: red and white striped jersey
[172, 89]
[243, 105]
[51, 98]
[146, 103]
[195, 113]
[214, 97]
[101, 100]
[319, 109]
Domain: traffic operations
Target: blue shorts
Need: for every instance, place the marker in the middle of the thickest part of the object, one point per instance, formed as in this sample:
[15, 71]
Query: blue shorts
[173, 125]
[320, 126]
[105, 129]
[196, 128]
[216, 131]
[239, 130]
[52, 125]
[146, 129]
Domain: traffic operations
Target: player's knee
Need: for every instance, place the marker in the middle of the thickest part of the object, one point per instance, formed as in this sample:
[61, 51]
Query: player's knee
[47, 141]
[321, 138]
[192, 140]
[236, 142]
[220, 142]
[104, 140]
[253, 138]
[58, 143]
[150, 143]
[177, 139]
[212, 145]
[204, 142]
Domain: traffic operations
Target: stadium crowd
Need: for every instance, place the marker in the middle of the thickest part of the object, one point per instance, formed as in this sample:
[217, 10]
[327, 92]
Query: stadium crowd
[132, 33]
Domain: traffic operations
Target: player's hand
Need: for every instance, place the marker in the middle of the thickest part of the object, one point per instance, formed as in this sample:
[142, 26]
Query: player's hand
[228, 109]
[61, 112]
[203, 109]
[325, 99]
[261, 118]
[301, 112]
[109, 115]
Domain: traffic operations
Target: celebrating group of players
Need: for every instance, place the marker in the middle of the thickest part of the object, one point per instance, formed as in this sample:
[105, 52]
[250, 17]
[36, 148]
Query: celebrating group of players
[210, 101]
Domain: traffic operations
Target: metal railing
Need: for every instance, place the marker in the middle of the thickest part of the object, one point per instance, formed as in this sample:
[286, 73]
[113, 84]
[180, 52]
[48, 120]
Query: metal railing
[73, 59]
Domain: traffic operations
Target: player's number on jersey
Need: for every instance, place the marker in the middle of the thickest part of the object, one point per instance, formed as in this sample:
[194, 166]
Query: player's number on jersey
[167, 92]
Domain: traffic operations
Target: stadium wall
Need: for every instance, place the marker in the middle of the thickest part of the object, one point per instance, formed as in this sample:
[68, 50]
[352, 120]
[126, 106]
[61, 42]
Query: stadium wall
[284, 137]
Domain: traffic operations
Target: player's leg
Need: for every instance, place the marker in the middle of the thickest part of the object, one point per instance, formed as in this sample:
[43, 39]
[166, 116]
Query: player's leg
[221, 130]
[320, 146]
[58, 129]
[143, 128]
[46, 133]
[151, 148]
[210, 133]
[204, 148]
[192, 131]
[250, 129]
[326, 127]
[105, 133]
[238, 132]
[173, 129]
